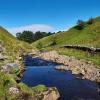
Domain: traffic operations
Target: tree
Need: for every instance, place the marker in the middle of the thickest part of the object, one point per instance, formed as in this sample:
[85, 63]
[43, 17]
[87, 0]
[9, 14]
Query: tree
[80, 24]
[26, 36]
[18, 35]
[39, 35]
[30, 37]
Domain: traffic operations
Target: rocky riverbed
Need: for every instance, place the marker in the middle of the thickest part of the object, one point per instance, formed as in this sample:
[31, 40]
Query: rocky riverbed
[11, 73]
[78, 66]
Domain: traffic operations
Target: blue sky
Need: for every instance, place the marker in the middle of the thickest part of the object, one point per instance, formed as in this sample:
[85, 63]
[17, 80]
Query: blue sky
[45, 15]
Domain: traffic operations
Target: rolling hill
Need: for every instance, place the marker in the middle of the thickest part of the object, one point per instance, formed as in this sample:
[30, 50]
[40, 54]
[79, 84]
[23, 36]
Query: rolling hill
[88, 36]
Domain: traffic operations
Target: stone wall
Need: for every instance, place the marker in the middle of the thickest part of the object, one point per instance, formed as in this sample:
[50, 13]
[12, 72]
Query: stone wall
[84, 48]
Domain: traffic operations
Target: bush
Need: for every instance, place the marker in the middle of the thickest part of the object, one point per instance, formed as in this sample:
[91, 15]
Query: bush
[80, 25]
[90, 21]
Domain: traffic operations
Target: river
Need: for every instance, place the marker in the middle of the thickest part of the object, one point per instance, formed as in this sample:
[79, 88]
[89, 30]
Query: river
[39, 71]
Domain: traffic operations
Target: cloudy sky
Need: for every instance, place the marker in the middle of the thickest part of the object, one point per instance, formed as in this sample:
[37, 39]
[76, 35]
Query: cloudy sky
[45, 15]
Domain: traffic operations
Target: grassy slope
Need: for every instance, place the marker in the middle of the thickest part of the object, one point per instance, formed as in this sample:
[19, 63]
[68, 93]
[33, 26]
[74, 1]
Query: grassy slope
[89, 36]
[8, 80]
[11, 43]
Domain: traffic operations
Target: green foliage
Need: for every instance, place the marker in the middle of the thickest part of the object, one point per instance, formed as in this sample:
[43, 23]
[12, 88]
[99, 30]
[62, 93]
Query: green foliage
[18, 72]
[39, 88]
[6, 81]
[11, 44]
[26, 36]
[25, 88]
[30, 37]
[88, 36]
[80, 25]
[80, 55]
[39, 45]
[33, 90]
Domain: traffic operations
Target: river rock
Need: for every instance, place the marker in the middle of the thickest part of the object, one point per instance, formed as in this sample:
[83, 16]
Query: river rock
[61, 67]
[77, 66]
[49, 55]
[50, 94]
[34, 52]
[9, 67]
[13, 90]
[75, 70]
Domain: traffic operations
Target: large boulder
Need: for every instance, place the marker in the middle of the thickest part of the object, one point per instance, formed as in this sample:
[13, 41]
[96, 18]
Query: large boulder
[51, 94]
[9, 67]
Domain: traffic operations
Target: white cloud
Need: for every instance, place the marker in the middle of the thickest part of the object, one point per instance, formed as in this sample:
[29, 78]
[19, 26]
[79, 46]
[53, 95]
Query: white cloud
[33, 28]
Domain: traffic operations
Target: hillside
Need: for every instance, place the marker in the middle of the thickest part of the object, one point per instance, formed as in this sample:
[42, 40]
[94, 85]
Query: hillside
[11, 44]
[88, 36]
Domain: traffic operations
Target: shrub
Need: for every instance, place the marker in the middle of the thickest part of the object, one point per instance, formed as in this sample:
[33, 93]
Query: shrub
[90, 21]
[80, 25]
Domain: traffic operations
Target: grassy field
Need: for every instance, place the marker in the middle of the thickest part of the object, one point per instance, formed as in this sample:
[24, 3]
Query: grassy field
[88, 36]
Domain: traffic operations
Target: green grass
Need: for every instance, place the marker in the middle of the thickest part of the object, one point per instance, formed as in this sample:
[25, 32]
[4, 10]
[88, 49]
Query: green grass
[6, 81]
[11, 44]
[89, 36]
[80, 55]
[39, 88]
[31, 91]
